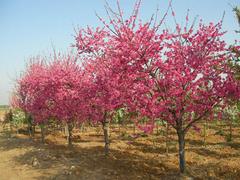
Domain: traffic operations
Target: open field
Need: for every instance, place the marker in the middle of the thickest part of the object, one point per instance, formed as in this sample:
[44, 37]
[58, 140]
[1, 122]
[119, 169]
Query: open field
[143, 157]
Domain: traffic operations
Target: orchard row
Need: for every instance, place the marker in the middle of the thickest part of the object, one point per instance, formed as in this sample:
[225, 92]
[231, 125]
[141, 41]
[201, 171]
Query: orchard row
[179, 76]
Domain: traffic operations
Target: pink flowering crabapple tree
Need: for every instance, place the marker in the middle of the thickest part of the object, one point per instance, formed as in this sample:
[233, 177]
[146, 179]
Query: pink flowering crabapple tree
[31, 92]
[115, 56]
[102, 98]
[178, 76]
[65, 100]
[50, 88]
[193, 79]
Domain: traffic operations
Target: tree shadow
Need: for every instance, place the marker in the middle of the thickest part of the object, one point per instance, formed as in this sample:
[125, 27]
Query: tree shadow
[57, 161]
[194, 142]
[212, 153]
[156, 149]
[88, 162]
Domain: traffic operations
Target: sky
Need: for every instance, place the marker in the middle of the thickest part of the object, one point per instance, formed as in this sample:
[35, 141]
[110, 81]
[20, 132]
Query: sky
[29, 28]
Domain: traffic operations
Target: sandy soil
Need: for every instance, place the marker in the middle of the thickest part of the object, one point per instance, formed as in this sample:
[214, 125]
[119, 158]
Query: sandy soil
[131, 158]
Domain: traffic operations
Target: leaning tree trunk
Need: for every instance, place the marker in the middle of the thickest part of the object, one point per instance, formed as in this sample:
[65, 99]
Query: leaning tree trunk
[106, 135]
[68, 131]
[181, 150]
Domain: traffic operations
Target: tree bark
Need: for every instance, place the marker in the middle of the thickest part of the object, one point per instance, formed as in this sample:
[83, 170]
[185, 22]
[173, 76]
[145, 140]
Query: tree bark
[205, 133]
[119, 128]
[106, 136]
[29, 119]
[157, 129]
[230, 130]
[68, 131]
[42, 133]
[181, 143]
[82, 128]
[28, 123]
[167, 139]
[33, 130]
[134, 129]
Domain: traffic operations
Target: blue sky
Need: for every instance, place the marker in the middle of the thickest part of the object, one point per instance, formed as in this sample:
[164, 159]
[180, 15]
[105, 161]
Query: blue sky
[30, 27]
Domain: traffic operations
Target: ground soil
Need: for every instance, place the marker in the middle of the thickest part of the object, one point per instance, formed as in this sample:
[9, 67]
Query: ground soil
[142, 157]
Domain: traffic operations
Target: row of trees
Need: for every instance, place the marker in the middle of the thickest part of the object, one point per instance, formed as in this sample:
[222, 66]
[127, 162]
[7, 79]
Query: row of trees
[179, 76]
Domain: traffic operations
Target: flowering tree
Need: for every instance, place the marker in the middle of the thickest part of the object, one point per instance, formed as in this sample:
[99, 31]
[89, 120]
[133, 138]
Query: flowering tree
[194, 78]
[64, 100]
[50, 89]
[120, 54]
[178, 77]
[32, 92]
[100, 99]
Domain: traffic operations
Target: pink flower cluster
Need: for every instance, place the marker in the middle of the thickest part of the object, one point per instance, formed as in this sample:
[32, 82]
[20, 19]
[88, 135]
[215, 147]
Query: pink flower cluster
[177, 76]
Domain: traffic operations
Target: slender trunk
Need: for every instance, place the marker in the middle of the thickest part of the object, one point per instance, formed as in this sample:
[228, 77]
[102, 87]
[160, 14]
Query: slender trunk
[33, 130]
[27, 120]
[82, 127]
[157, 129]
[167, 139]
[10, 121]
[119, 127]
[42, 133]
[134, 129]
[181, 143]
[30, 125]
[66, 130]
[230, 130]
[10, 127]
[69, 127]
[106, 135]
[204, 133]
[30, 129]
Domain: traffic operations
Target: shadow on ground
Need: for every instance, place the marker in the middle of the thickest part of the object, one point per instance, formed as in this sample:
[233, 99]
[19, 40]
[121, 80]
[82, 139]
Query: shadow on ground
[57, 161]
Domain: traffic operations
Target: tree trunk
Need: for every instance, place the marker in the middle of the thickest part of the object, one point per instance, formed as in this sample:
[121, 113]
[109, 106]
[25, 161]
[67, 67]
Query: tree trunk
[205, 133]
[119, 128]
[66, 130]
[134, 129]
[42, 133]
[181, 150]
[106, 135]
[11, 129]
[157, 129]
[82, 128]
[68, 133]
[230, 130]
[33, 130]
[167, 139]
[30, 129]
[30, 124]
